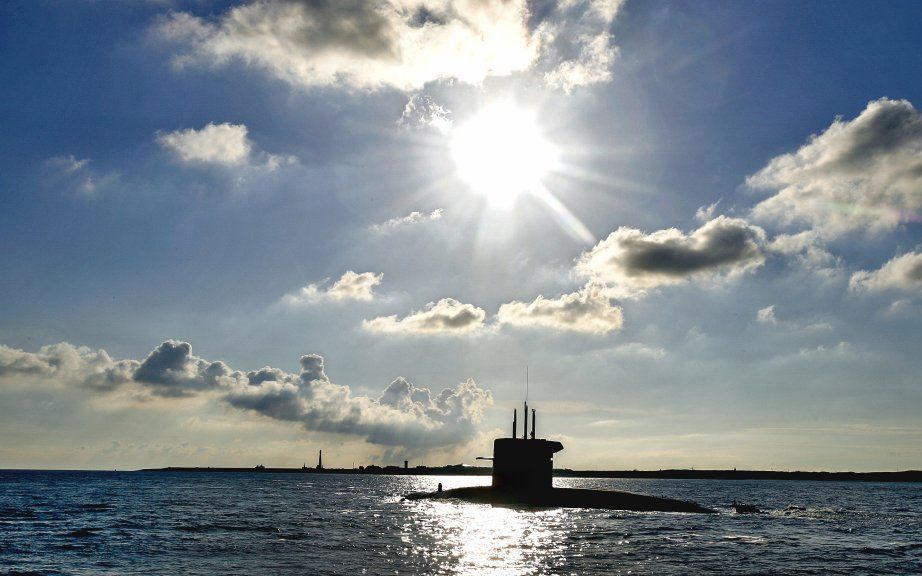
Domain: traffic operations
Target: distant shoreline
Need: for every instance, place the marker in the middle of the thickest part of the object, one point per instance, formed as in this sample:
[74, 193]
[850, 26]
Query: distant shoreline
[903, 476]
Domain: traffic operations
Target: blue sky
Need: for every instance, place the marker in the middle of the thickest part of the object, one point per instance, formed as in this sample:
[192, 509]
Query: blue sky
[722, 267]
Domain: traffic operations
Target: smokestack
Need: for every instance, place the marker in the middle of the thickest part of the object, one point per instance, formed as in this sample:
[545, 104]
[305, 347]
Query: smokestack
[320, 461]
[525, 427]
[515, 414]
[406, 463]
[532, 423]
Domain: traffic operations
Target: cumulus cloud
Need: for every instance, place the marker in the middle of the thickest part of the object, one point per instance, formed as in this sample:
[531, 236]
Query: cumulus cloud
[172, 370]
[66, 363]
[403, 415]
[214, 144]
[860, 174]
[218, 144]
[363, 44]
[807, 248]
[588, 310]
[403, 43]
[447, 316]
[629, 261]
[414, 217]
[902, 273]
[351, 286]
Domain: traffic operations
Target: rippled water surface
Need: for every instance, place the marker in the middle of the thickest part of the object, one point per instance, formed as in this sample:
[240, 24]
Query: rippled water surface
[249, 523]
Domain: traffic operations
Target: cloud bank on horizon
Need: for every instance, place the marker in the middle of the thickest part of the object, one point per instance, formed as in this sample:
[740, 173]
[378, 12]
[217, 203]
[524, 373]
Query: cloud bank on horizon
[404, 415]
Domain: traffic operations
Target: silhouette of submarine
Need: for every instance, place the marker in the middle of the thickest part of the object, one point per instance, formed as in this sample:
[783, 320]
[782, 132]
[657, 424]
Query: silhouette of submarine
[523, 477]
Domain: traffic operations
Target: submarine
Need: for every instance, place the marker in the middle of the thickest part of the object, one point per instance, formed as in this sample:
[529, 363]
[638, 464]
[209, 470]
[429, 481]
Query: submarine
[523, 476]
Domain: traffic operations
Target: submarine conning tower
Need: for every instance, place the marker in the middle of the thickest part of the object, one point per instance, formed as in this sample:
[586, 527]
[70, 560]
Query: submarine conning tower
[524, 464]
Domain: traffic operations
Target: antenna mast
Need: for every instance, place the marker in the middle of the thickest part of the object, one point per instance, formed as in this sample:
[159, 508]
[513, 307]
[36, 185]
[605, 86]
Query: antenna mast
[526, 383]
[525, 412]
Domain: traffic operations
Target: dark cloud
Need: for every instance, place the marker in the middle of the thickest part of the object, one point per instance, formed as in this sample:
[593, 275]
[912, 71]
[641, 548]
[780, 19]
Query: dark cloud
[267, 374]
[355, 26]
[717, 246]
[172, 370]
[630, 261]
[312, 368]
[447, 316]
[402, 416]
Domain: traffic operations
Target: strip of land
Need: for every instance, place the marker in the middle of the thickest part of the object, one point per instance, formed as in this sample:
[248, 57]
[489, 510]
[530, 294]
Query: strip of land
[461, 470]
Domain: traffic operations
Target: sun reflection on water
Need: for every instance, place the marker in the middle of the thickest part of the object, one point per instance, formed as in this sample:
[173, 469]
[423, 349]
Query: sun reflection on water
[464, 538]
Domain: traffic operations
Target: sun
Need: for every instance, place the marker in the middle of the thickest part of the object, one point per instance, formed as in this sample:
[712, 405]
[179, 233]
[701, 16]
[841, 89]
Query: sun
[501, 153]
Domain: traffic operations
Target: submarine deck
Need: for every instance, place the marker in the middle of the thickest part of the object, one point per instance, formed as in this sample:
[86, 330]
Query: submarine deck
[565, 498]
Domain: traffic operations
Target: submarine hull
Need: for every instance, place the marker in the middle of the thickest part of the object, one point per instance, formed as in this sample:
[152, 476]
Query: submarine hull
[565, 498]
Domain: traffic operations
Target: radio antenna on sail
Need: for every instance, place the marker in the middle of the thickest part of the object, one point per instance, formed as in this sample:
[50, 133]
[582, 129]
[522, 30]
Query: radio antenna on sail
[525, 427]
[526, 382]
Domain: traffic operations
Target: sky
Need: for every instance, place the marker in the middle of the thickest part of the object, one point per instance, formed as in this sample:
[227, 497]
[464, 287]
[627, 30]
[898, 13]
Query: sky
[236, 233]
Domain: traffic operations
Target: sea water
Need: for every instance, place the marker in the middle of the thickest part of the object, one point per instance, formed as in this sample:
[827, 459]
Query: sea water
[265, 523]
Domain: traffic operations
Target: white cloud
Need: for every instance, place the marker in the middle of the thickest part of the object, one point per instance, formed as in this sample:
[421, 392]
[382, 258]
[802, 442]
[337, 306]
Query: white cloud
[767, 315]
[808, 248]
[364, 44]
[639, 350]
[414, 217]
[580, 41]
[219, 144]
[404, 415]
[447, 316]
[403, 43]
[629, 262]
[225, 143]
[902, 273]
[606, 423]
[351, 286]
[588, 310]
[706, 213]
[422, 112]
[65, 363]
[860, 174]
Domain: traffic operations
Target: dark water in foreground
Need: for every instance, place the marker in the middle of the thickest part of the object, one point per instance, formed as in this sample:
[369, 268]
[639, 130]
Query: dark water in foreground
[248, 523]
